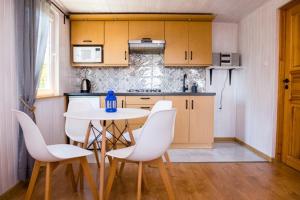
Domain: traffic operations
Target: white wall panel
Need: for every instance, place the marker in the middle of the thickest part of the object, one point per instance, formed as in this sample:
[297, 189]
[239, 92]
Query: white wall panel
[8, 98]
[257, 91]
[50, 119]
[225, 39]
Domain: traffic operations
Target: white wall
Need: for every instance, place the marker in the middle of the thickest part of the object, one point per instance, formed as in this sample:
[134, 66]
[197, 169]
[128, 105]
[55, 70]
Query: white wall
[257, 91]
[225, 39]
[8, 99]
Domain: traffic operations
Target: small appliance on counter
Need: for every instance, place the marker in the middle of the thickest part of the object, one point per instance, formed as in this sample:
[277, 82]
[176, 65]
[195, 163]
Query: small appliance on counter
[85, 86]
[111, 102]
[194, 88]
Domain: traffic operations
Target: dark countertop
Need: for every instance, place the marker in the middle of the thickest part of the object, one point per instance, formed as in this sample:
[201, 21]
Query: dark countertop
[144, 94]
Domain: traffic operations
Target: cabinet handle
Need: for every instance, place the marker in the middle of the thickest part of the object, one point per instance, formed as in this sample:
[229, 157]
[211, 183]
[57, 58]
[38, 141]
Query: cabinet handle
[185, 55]
[122, 103]
[145, 98]
[87, 41]
[191, 55]
[192, 104]
[125, 55]
[186, 104]
[145, 107]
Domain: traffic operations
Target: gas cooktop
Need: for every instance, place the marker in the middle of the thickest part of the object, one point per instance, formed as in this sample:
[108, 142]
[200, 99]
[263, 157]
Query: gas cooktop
[145, 90]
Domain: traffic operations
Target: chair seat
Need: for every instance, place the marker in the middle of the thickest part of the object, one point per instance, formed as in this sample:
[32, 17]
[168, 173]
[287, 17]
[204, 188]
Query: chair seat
[67, 151]
[121, 153]
[135, 133]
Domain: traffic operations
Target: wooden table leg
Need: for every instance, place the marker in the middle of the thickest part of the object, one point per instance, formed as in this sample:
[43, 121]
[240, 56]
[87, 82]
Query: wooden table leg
[102, 164]
[114, 134]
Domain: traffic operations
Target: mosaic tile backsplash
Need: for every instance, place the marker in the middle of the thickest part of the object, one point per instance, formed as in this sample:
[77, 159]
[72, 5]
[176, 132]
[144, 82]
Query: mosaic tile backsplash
[145, 71]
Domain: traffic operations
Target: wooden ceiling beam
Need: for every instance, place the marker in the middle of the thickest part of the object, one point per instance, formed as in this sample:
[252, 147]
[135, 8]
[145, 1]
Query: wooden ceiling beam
[143, 16]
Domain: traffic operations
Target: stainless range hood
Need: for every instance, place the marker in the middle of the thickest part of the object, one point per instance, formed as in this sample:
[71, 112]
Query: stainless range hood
[146, 45]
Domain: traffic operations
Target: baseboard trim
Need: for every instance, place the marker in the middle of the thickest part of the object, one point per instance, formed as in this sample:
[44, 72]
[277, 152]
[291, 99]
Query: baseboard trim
[254, 150]
[13, 190]
[224, 139]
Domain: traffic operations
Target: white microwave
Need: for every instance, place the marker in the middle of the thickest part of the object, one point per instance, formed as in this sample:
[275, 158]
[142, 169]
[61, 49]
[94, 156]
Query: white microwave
[87, 54]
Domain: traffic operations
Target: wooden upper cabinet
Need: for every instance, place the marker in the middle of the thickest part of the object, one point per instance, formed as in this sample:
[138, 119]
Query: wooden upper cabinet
[87, 32]
[200, 43]
[146, 29]
[116, 43]
[202, 120]
[181, 103]
[176, 36]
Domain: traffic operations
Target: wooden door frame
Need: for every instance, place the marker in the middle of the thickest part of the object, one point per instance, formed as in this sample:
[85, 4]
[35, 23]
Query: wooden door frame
[281, 77]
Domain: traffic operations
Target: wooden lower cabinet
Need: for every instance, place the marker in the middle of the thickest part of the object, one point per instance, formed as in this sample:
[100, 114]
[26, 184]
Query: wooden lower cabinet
[194, 118]
[194, 121]
[182, 118]
[201, 120]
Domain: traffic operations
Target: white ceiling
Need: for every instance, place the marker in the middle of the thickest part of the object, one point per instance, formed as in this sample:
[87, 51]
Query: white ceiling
[226, 10]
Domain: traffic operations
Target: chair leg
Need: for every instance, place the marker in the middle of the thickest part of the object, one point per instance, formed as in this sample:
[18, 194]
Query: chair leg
[165, 178]
[139, 181]
[96, 153]
[121, 168]
[48, 181]
[88, 175]
[167, 157]
[80, 173]
[72, 176]
[35, 173]
[111, 178]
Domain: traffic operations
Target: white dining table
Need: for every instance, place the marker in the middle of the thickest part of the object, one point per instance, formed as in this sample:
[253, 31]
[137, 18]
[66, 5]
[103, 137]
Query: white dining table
[102, 116]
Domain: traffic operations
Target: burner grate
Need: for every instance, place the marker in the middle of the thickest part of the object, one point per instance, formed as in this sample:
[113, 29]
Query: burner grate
[145, 90]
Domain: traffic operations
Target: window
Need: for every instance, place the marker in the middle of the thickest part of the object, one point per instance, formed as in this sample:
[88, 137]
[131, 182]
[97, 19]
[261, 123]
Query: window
[49, 76]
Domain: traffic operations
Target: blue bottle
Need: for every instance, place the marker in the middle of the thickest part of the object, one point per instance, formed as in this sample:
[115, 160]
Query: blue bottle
[111, 102]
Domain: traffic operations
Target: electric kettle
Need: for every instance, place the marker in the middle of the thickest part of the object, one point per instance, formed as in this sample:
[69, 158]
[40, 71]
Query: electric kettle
[85, 86]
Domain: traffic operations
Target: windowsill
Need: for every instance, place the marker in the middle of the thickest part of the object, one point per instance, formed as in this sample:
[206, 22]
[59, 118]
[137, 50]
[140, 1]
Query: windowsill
[39, 97]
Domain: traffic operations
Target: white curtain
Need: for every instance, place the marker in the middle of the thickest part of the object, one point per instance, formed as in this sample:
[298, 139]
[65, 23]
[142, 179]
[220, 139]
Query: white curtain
[32, 25]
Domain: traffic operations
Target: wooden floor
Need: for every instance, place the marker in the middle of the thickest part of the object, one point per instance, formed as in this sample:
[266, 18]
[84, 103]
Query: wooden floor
[191, 181]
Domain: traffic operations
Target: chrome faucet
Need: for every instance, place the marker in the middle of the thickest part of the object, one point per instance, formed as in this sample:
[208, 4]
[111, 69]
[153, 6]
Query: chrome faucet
[184, 87]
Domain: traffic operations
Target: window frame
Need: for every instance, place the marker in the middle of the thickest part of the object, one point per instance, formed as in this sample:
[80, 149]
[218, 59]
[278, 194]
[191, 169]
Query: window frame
[54, 60]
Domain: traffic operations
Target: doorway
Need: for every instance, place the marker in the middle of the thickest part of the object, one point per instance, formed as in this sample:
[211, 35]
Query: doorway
[288, 125]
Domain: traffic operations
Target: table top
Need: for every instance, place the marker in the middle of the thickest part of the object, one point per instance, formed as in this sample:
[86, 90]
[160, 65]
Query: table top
[101, 114]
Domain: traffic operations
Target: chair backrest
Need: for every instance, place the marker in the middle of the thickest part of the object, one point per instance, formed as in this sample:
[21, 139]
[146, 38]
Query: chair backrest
[161, 105]
[76, 127]
[34, 140]
[155, 137]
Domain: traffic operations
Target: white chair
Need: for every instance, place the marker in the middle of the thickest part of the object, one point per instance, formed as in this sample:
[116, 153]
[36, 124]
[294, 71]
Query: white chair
[158, 106]
[155, 138]
[76, 129]
[51, 156]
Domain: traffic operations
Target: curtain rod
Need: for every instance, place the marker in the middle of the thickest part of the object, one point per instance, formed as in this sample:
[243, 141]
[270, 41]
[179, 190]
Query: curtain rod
[66, 16]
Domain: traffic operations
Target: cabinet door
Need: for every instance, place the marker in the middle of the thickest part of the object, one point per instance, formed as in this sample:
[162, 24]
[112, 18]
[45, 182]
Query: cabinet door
[176, 36]
[181, 103]
[87, 32]
[200, 43]
[146, 29]
[202, 120]
[116, 43]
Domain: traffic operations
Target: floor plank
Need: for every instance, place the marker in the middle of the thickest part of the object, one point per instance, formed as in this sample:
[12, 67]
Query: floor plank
[190, 181]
